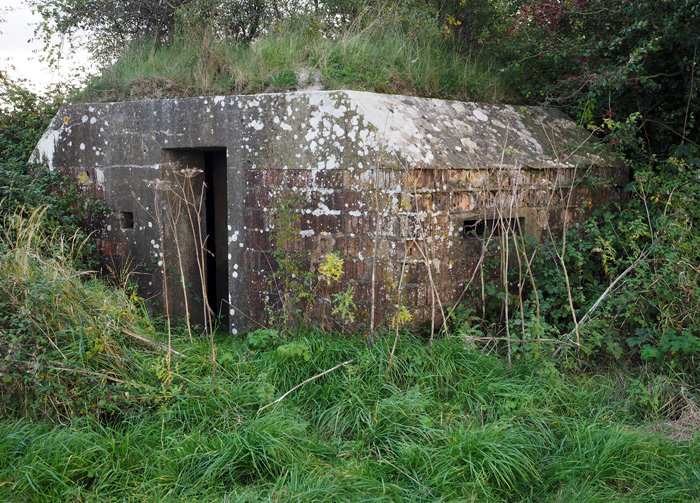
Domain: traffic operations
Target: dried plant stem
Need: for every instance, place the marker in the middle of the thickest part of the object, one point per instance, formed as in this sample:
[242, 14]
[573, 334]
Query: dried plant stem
[503, 224]
[398, 306]
[152, 343]
[690, 94]
[193, 205]
[610, 288]
[302, 383]
[560, 256]
[568, 287]
[504, 278]
[159, 223]
[482, 283]
[528, 263]
[194, 212]
[491, 338]
[434, 293]
[513, 230]
[201, 240]
[252, 320]
[85, 372]
[374, 253]
[173, 218]
[184, 194]
[407, 475]
[521, 284]
[432, 282]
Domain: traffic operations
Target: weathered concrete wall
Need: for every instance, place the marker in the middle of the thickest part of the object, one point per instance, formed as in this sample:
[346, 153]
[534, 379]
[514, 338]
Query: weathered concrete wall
[421, 167]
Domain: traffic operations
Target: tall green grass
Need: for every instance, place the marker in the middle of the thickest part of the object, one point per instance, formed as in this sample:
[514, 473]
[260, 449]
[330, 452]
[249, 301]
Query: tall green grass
[90, 414]
[69, 342]
[449, 424]
[383, 57]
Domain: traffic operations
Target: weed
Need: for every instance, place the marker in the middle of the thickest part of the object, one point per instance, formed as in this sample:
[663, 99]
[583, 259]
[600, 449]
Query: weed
[66, 338]
[298, 286]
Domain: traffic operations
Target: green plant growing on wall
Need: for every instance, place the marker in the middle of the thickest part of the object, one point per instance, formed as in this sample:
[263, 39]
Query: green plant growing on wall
[291, 279]
[344, 305]
[331, 269]
[297, 283]
[401, 317]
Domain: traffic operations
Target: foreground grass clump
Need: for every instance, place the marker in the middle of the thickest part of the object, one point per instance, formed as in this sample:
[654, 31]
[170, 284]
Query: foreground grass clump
[68, 340]
[383, 57]
[448, 424]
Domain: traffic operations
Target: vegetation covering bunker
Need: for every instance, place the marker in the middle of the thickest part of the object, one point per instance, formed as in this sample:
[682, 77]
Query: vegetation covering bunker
[424, 182]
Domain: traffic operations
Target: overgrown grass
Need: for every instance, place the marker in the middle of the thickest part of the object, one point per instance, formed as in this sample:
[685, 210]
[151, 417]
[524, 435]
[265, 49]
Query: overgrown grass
[384, 57]
[91, 414]
[449, 424]
[67, 338]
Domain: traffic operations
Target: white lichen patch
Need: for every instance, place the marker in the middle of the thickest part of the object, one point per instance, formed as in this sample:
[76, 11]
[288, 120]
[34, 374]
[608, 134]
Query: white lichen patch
[479, 114]
[257, 125]
[469, 144]
[45, 149]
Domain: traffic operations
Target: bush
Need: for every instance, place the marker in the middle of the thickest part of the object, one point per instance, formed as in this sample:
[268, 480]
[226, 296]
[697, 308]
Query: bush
[66, 209]
[65, 336]
[609, 59]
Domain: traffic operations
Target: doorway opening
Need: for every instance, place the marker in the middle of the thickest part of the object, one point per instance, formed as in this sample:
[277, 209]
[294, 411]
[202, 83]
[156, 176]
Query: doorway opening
[196, 239]
[217, 238]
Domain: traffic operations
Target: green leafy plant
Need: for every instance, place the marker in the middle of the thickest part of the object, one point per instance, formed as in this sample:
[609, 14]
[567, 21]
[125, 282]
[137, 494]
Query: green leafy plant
[67, 208]
[263, 338]
[294, 350]
[297, 284]
[344, 305]
[67, 337]
[293, 278]
[331, 267]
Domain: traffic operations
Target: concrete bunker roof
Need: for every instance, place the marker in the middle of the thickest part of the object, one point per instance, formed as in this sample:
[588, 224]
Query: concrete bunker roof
[422, 132]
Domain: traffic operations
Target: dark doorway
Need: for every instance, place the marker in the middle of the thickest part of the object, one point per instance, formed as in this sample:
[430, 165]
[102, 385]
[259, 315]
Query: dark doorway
[216, 224]
[201, 244]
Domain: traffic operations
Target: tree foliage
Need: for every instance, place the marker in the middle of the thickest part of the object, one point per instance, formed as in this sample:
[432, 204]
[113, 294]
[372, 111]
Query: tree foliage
[107, 26]
[629, 71]
[609, 59]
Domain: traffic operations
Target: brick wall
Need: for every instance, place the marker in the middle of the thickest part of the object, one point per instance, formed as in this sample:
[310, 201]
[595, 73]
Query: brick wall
[421, 220]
